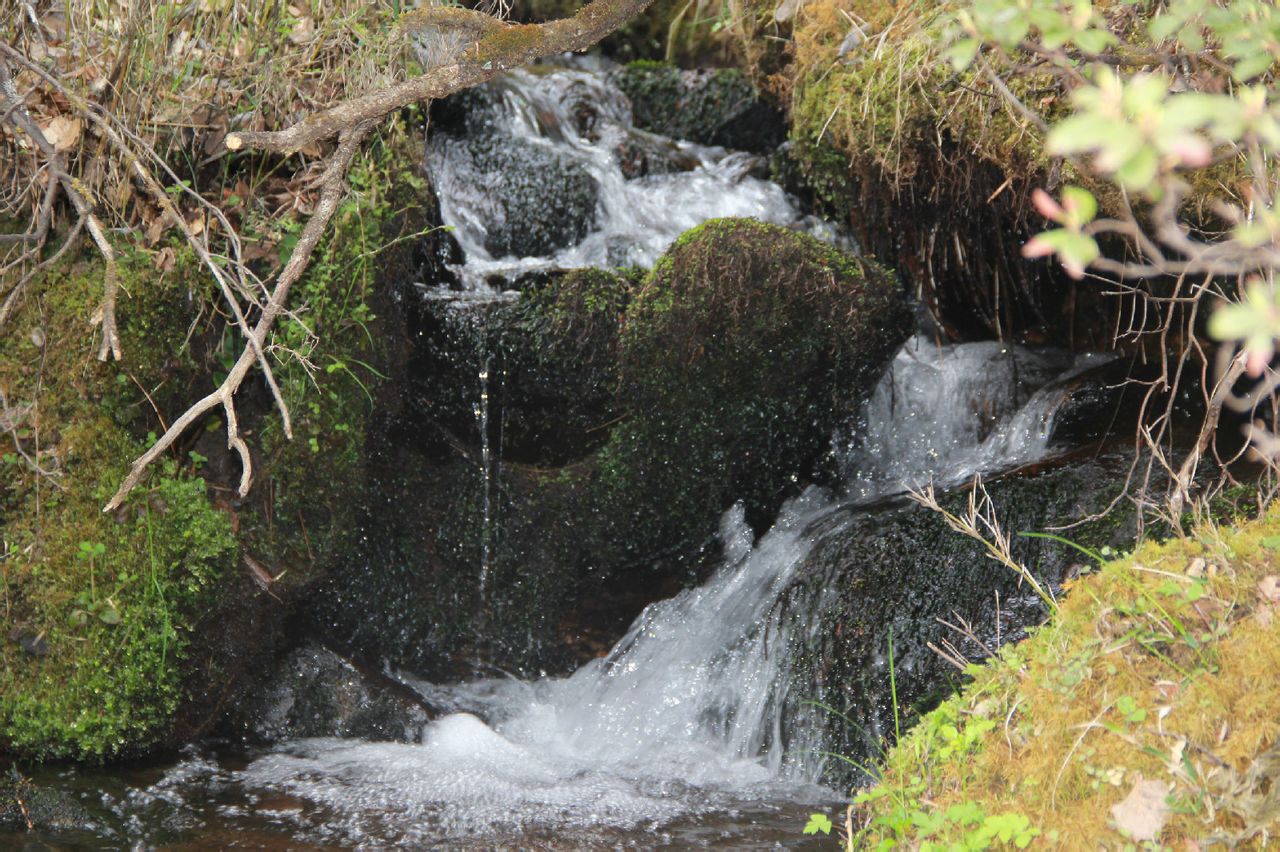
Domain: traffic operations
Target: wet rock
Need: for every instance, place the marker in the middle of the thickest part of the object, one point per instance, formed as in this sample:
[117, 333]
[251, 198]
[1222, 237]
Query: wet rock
[25, 806]
[743, 349]
[624, 416]
[711, 107]
[536, 200]
[641, 154]
[314, 692]
[897, 569]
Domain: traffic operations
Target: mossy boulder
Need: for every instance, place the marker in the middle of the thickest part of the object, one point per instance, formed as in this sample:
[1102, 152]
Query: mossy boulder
[624, 416]
[743, 349]
[889, 573]
[708, 106]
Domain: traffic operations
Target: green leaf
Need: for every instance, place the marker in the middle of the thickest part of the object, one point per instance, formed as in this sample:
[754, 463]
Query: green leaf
[816, 823]
[1094, 41]
[1080, 204]
[1163, 26]
[1139, 171]
[962, 53]
[109, 616]
[1191, 38]
[1241, 321]
[1252, 66]
[1081, 132]
[1271, 542]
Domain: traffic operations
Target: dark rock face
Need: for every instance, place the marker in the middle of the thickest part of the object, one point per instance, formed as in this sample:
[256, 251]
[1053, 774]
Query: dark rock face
[894, 571]
[536, 201]
[624, 416]
[314, 692]
[711, 107]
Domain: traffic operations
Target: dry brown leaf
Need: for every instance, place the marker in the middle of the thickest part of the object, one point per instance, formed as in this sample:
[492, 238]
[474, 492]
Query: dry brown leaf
[1269, 588]
[1196, 567]
[165, 259]
[157, 226]
[1142, 814]
[63, 133]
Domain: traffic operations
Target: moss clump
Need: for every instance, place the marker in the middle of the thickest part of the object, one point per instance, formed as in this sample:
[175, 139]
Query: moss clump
[97, 608]
[1158, 672]
[311, 486]
[739, 353]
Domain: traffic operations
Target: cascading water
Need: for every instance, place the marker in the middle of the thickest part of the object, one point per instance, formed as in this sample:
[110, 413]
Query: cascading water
[696, 717]
[574, 128]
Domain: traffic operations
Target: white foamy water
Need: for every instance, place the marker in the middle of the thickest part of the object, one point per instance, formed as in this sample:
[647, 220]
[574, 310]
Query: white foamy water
[682, 718]
[943, 413]
[636, 219]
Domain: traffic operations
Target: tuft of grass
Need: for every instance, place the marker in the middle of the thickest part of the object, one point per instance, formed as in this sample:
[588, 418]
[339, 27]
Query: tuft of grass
[1159, 670]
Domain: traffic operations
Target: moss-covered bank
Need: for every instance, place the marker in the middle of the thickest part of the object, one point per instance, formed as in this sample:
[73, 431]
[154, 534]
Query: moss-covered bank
[1143, 712]
[128, 631]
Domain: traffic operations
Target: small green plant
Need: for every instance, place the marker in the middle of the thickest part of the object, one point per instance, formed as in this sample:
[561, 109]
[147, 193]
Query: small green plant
[818, 823]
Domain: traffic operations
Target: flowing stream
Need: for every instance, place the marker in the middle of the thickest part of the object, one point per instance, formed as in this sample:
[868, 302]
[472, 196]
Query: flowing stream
[687, 732]
[681, 735]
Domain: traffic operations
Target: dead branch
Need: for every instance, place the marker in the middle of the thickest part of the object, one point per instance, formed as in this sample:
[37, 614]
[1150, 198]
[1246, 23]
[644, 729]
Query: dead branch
[129, 146]
[332, 185]
[19, 118]
[508, 47]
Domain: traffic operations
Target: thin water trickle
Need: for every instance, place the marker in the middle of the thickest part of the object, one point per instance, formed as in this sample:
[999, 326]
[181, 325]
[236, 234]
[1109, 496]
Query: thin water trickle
[486, 476]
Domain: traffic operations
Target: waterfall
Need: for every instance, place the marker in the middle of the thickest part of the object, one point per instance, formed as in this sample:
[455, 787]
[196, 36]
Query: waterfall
[573, 128]
[702, 714]
[699, 707]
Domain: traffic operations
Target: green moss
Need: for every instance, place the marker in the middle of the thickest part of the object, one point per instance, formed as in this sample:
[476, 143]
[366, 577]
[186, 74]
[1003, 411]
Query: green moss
[103, 608]
[98, 607]
[1159, 667]
[341, 352]
[742, 349]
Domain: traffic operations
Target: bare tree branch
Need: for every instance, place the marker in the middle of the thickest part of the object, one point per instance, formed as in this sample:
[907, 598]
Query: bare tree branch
[508, 47]
[332, 185]
[20, 118]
